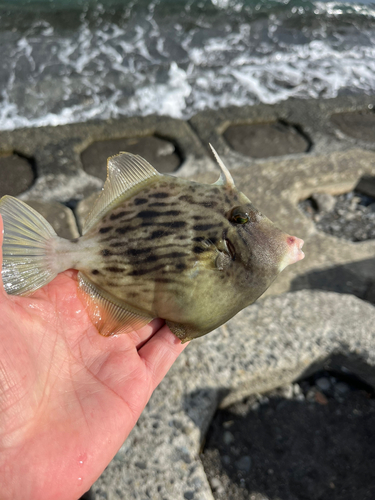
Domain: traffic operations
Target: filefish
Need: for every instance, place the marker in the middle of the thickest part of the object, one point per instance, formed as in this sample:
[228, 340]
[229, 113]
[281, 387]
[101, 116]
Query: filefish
[153, 246]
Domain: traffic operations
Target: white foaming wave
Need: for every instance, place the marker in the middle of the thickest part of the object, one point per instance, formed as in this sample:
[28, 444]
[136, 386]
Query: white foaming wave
[340, 8]
[163, 99]
[315, 70]
[113, 73]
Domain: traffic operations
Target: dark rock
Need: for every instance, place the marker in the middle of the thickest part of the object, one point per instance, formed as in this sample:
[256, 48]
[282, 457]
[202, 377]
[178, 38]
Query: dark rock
[358, 124]
[16, 175]
[262, 140]
[159, 152]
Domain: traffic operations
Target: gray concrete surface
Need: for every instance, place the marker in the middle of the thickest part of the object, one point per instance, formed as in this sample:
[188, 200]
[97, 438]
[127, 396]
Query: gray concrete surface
[274, 341]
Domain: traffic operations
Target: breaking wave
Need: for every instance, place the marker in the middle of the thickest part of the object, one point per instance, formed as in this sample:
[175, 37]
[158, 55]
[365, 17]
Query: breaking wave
[177, 58]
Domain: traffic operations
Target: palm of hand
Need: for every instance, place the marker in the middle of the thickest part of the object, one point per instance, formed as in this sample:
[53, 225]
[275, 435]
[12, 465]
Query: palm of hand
[68, 396]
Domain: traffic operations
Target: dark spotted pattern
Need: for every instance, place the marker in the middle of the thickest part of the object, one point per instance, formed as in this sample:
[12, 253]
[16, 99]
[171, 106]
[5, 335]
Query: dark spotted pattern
[119, 215]
[134, 252]
[159, 195]
[199, 249]
[158, 234]
[140, 201]
[104, 230]
[205, 227]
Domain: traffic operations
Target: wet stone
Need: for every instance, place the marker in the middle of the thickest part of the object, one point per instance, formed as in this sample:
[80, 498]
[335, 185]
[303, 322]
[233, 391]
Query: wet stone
[264, 140]
[16, 175]
[59, 216]
[159, 152]
[228, 437]
[323, 384]
[358, 124]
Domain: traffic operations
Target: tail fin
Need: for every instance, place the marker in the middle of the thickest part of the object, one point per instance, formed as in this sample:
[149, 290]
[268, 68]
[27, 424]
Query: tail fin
[27, 241]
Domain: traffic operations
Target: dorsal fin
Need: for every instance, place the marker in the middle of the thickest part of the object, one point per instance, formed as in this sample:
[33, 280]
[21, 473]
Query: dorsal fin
[225, 178]
[125, 172]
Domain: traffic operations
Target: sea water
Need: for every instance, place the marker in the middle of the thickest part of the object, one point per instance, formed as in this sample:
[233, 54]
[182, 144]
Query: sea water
[66, 61]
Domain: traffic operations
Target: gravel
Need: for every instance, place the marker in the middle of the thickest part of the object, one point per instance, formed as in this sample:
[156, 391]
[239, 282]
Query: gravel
[350, 216]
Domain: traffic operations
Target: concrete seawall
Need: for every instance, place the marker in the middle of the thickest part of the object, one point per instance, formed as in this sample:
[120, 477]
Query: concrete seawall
[278, 155]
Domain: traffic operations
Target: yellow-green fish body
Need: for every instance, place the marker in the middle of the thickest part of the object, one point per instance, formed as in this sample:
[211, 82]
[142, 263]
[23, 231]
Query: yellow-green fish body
[157, 246]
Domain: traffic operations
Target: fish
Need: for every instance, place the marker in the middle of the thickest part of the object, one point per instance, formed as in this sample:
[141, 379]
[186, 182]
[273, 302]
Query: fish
[153, 246]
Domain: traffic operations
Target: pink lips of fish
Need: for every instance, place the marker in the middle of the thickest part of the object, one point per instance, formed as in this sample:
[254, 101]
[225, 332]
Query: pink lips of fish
[294, 251]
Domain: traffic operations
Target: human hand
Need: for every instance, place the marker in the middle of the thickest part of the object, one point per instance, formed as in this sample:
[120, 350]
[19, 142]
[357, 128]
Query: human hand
[68, 396]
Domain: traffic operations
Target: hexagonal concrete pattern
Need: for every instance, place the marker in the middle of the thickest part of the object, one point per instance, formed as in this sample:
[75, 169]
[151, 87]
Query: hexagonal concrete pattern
[263, 140]
[16, 175]
[159, 152]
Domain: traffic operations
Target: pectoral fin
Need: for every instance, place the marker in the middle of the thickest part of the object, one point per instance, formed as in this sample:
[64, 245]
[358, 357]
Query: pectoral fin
[109, 315]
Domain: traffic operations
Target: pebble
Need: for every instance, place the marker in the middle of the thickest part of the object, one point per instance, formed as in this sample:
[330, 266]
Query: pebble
[323, 384]
[310, 396]
[228, 424]
[216, 485]
[320, 398]
[228, 437]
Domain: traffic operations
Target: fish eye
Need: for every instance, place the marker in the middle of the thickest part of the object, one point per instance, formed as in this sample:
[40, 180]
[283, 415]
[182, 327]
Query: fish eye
[239, 215]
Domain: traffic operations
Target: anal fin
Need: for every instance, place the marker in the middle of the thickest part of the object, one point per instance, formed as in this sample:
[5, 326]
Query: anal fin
[109, 315]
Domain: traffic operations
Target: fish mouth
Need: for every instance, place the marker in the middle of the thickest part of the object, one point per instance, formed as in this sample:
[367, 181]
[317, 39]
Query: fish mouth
[294, 253]
[230, 248]
[296, 245]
